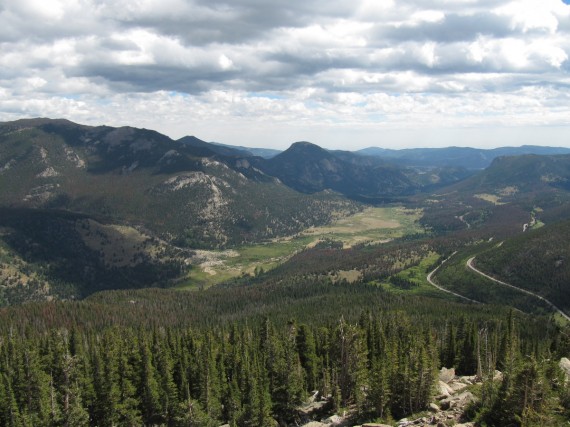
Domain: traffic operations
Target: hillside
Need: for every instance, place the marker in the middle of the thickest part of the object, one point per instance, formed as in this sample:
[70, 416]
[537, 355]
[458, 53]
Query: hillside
[185, 193]
[287, 352]
[537, 260]
[309, 168]
[513, 191]
[507, 176]
[47, 254]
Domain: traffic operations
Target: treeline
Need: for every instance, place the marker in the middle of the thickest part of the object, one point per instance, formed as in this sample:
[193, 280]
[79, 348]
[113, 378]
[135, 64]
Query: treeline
[382, 366]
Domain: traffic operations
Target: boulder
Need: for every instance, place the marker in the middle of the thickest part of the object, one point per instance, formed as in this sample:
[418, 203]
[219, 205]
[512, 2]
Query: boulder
[375, 425]
[472, 379]
[314, 408]
[446, 375]
[433, 408]
[498, 376]
[334, 420]
[458, 400]
[443, 390]
[457, 386]
[315, 424]
[466, 397]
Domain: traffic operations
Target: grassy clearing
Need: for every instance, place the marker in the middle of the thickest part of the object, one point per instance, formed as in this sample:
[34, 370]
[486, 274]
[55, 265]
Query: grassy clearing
[373, 225]
[496, 200]
[416, 277]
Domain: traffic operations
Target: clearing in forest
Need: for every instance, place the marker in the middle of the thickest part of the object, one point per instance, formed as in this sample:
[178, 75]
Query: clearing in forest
[371, 226]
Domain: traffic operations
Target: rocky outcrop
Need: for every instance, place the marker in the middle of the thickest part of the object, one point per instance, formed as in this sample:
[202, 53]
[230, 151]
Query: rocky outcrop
[453, 397]
[446, 375]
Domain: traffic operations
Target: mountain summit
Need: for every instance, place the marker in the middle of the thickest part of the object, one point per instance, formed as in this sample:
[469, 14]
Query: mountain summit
[309, 168]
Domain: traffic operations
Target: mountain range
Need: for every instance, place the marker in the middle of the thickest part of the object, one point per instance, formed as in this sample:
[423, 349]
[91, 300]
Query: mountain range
[464, 157]
[88, 208]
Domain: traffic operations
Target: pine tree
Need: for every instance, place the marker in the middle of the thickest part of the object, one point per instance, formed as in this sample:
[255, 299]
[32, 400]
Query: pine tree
[467, 343]
[285, 373]
[9, 411]
[449, 354]
[148, 388]
[36, 391]
[307, 356]
[128, 363]
[167, 388]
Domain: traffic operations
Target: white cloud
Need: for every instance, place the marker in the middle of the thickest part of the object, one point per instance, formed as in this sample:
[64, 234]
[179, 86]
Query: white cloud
[231, 70]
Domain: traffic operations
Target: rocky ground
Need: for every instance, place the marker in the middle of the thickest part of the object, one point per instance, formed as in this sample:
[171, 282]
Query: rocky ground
[447, 409]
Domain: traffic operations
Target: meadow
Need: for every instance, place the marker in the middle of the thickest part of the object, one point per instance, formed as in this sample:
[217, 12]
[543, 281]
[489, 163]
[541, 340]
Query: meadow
[374, 225]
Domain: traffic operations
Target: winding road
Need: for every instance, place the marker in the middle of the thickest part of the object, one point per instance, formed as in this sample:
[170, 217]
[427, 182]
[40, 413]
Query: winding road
[472, 267]
[431, 282]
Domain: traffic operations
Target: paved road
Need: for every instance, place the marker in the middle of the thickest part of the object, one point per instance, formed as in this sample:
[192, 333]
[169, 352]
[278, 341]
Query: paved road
[472, 267]
[431, 282]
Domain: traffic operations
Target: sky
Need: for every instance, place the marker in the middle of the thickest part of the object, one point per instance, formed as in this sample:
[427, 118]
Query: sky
[266, 73]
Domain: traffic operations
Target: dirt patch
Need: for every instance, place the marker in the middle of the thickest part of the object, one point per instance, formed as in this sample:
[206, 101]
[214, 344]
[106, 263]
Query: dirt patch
[350, 276]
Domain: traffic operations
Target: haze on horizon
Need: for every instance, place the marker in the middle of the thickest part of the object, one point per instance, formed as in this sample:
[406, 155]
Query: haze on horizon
[349, 75]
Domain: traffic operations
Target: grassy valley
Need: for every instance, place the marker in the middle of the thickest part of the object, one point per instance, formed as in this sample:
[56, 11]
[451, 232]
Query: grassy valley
[371, 226]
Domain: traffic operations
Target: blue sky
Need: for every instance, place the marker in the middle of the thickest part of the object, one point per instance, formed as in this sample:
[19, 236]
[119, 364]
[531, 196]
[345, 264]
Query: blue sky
[341, 74]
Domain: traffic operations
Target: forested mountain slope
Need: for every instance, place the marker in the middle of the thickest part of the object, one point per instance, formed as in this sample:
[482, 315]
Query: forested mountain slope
[309, 168]
[48, 254]
[508, 176]
[537, 260]
[184, 193]
[513, 191]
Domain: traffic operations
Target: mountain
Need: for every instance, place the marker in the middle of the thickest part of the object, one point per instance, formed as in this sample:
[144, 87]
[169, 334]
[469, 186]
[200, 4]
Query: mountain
[266, 153]
[502, 198]
[85, 209]
[183, 192]
[508, 176]
[212, 148]
[465, 157]
[309, 168]
[230, 150]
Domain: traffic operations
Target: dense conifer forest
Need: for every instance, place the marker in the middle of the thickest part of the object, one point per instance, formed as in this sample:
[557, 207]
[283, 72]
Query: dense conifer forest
[250, 355]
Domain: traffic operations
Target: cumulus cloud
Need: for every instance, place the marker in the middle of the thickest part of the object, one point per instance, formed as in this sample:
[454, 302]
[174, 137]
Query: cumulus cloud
[324, 68]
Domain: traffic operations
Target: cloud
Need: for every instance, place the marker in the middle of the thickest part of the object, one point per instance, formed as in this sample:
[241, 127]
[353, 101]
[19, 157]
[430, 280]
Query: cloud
[314, 66]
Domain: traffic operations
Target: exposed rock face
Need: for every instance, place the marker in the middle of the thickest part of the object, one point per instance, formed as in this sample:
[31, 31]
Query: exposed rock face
[448, 409]
[434, 408]
[444, 390]
[446, 375]
[457, 400]
[452, 401]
